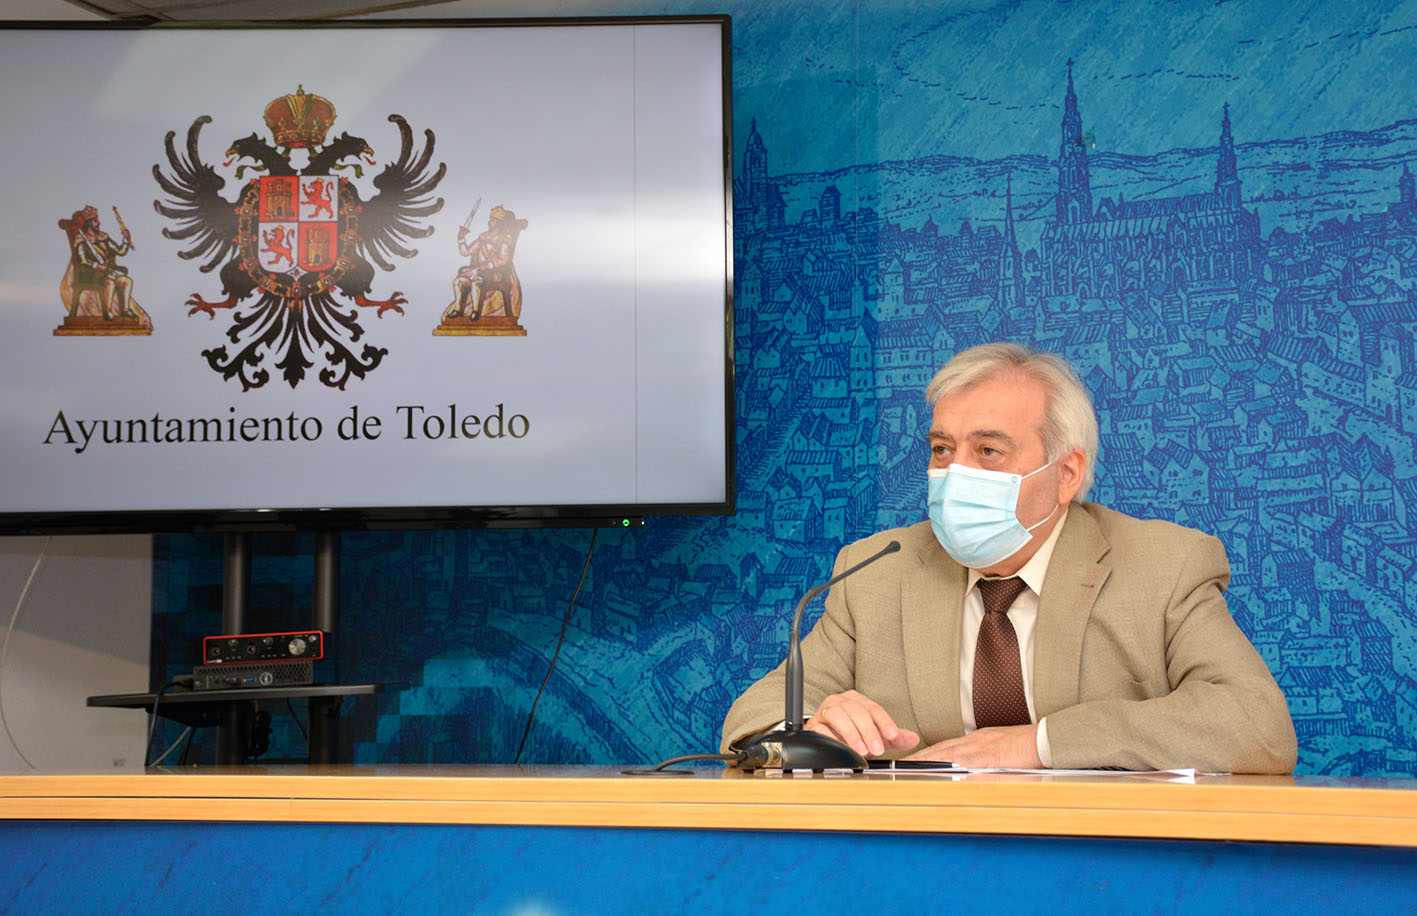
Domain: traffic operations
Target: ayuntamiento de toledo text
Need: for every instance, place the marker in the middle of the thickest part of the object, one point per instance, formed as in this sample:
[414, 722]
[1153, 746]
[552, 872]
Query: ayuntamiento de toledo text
[411, 422]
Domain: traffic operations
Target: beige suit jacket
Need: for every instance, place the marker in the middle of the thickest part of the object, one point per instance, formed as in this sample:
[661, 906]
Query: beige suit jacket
[1137, 661]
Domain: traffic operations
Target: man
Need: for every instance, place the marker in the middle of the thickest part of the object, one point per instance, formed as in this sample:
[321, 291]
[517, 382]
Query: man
[1117, 649]
[489, 269]
[94, 265]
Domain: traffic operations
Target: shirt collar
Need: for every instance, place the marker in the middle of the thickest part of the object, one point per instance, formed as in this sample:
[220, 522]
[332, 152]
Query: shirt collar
[1036, 568]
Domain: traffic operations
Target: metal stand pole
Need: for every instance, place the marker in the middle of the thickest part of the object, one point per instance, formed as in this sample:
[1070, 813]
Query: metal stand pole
[234, 733]
[324, 711]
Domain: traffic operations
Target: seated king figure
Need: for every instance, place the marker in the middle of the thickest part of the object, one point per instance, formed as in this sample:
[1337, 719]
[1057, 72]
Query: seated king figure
[1021, 626]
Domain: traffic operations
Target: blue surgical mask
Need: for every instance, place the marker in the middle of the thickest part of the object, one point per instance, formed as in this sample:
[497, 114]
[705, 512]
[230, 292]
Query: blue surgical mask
[973, 513]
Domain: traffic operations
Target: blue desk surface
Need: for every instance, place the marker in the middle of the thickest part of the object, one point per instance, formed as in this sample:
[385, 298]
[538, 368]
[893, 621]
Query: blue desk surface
[539, 842]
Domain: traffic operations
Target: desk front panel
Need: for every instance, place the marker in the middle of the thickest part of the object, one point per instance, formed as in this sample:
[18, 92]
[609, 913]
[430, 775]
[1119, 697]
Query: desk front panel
[540, 841]
[278, 868]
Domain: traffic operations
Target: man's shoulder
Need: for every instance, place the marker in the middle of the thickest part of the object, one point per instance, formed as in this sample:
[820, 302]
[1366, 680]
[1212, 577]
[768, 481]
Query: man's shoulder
[912, 538]
[919, 552]
[1122, 530]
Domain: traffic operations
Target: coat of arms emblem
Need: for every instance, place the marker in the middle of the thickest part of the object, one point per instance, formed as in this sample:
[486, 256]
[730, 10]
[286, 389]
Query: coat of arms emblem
[298, 237]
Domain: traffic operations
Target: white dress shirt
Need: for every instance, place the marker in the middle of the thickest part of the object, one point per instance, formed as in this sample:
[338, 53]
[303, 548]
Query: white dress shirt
[1023, 614]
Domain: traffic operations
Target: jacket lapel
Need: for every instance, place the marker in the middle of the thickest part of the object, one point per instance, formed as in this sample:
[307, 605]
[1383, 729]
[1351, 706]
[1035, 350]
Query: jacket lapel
[932, 597]
[1075, 577]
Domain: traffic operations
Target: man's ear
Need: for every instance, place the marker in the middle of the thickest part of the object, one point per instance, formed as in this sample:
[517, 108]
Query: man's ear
[1070, 470]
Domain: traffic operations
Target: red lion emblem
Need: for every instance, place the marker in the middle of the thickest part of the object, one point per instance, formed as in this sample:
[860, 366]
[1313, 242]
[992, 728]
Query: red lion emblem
[317, 195]
[278, 246]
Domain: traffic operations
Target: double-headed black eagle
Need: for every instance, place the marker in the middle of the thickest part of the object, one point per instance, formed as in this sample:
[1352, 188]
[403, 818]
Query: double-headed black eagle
[297, 316]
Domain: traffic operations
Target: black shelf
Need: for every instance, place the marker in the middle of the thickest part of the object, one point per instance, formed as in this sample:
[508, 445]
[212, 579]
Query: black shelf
[202, 708]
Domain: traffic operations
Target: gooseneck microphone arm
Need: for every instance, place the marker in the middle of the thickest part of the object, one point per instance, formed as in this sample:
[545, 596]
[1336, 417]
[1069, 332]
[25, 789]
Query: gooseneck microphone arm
[794, 651]
[791, 747]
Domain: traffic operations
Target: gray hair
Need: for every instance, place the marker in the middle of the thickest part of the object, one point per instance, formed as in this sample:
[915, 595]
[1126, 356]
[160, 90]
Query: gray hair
[1069, 420]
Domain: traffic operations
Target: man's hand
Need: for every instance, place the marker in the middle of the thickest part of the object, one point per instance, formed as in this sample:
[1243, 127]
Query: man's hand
[1008, 746]
[861, 724]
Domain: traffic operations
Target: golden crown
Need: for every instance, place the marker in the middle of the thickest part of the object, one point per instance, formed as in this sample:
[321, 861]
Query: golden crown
[299, 119]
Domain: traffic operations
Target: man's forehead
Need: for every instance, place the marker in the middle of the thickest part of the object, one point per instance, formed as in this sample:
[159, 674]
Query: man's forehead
[1004, 404]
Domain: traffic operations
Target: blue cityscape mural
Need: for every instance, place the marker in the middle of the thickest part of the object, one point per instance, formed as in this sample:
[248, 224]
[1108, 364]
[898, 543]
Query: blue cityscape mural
[1209, 208]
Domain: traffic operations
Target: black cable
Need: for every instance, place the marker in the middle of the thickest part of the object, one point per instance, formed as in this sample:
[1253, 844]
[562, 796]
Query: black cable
[186, 748]
[260, 740]
[152, 721]
[298, 724]
[590, 551]
[659, 769]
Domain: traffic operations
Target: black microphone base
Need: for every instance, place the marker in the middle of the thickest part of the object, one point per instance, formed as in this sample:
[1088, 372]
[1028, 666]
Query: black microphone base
[799, 750]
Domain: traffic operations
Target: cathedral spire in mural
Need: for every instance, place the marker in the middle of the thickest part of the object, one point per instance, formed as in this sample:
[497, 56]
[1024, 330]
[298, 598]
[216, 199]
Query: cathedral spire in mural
[755, 163]
[1227, 176]
[1010, 259]
[1074, 188]
[757, 204]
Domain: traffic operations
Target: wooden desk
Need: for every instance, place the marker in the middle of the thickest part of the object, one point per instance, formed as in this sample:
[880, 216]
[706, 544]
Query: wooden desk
[575, 834]
[1257, 808]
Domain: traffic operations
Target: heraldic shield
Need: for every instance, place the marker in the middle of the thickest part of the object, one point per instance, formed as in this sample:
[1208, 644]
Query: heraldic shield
[294, 241]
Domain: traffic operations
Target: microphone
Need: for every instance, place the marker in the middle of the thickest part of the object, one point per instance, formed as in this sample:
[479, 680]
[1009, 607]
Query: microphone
[792, 748]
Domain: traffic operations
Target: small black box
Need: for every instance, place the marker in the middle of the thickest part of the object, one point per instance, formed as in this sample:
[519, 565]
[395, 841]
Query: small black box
[271, 674]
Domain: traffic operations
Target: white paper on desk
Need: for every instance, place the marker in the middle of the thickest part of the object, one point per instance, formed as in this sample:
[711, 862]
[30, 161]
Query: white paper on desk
[1183, 775]
[927, 772]
[941, 770]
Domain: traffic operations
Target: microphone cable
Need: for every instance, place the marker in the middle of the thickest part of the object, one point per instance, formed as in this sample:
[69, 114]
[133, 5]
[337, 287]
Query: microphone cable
[662, 768]
[590, 551]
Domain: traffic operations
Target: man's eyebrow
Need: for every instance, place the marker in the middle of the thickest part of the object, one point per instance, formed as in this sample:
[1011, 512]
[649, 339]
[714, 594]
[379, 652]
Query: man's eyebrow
[975, 435]
[990, 434]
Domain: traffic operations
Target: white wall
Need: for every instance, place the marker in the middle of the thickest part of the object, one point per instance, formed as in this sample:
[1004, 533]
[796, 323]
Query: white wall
[84, 629]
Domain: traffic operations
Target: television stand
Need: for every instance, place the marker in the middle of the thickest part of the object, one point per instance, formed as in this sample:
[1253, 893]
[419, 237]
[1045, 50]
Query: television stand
[229, 711]
[225, 709]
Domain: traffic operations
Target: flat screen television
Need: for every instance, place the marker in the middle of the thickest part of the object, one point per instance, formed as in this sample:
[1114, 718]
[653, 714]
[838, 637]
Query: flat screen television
[354, 275]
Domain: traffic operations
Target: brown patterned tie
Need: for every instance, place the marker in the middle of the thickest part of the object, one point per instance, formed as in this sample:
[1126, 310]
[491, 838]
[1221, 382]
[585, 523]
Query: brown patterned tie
[998, 675]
